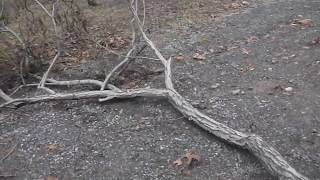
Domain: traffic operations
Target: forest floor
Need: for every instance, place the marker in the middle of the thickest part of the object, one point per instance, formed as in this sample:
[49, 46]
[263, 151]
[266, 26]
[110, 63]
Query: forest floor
[260, 74]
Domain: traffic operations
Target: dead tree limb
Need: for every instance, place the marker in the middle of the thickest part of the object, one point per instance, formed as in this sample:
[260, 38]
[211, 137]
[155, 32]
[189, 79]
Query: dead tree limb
[5, 96]
[131, 93]
[124, 61]
[59, 43]
[271, 158]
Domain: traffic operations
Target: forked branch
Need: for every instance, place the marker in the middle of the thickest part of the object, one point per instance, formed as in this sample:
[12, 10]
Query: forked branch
[59, 43]
[270, 157]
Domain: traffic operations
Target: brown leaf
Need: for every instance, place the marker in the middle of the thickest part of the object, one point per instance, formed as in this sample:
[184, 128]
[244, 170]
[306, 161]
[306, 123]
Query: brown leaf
[253, 39]
[180, 58]
[245, 51]
[52, 147]
[178, 162]
[199, 56]
[51, 178]
[314, 42]
[302, 22]
[235, 6]
[191, 157]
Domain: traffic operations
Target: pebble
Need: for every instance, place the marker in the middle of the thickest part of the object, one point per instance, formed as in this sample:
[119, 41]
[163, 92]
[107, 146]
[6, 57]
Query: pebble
[274, 61]
[215, 86]
[236, 92]
[246, 3]
[288, 89]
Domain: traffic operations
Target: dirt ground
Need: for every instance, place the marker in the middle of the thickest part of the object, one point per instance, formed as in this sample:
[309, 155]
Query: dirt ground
[261, 74]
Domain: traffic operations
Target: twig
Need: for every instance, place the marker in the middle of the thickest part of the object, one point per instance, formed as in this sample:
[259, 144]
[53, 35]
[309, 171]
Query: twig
[144, 92]
[125, 56]
[53, 82]
[2, 8]
[126, 59]
[44, 8]
[26, 60]
[59, 43]
[9, 153]
[106, 81]
[5, 96]
[7, 175]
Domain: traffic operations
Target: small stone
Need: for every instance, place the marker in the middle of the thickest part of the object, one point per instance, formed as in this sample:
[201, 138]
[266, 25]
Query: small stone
[199, 56]
[291, 81]
[269, 69]
[274, 61]
[215, 86]
[288, 89]
[236, 92]
[242, 92]
[235, 6]
[246, 3]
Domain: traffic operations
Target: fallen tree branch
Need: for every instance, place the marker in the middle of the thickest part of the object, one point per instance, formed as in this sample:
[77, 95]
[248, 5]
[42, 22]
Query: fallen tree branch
[5, 96]
[124, 61]
[271, 158]
[53, 82]
[90, 94]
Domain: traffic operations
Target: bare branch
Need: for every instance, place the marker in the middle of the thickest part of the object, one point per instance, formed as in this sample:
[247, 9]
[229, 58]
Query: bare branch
[59, 43]
[271, 158]
[151, 44]
[45, 75]
[26, 60]
[106, 81]
[48, 90]
[5, 96]
[91, 94]
[167, 72]
[44, 8]
[9, 153]
[2, 8]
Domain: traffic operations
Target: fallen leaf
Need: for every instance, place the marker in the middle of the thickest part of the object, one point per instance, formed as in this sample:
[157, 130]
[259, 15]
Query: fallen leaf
[253, 39]
[191, 157]
[178, 162]
[302, 22]
[199, 56]
[180, 58]
[235, 6]
[51, 178]
[245, 51]
[52, 147]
